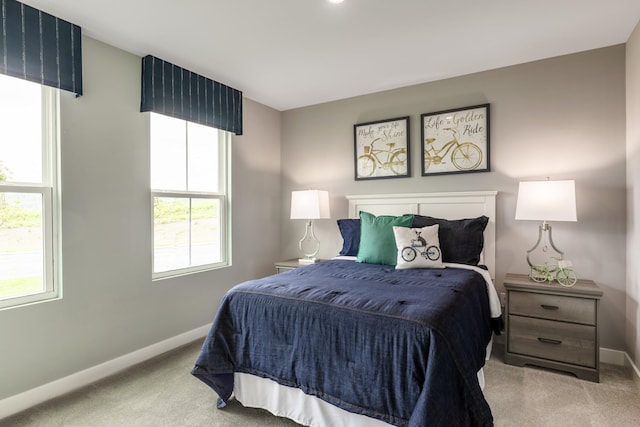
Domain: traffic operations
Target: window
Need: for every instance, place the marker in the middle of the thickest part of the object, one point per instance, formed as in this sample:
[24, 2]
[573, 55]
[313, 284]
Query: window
[28, 192]
[189, 189]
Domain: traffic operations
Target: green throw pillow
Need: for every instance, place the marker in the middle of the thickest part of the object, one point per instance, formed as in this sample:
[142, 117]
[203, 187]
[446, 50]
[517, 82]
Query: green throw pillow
[377, 241]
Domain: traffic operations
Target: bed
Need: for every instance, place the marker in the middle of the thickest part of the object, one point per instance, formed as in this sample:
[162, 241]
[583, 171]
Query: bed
[362, 341]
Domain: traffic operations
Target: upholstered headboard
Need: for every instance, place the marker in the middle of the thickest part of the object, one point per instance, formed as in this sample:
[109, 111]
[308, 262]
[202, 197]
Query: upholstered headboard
[450, 205]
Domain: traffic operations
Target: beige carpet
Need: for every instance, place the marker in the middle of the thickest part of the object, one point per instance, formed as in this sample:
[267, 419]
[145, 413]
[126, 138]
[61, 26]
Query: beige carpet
[161, 392]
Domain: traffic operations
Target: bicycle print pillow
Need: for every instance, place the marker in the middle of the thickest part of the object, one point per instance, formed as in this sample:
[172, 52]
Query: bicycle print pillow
[418, 247]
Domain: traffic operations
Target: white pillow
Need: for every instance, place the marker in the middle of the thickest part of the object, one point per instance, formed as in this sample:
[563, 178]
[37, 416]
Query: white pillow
[418, 247]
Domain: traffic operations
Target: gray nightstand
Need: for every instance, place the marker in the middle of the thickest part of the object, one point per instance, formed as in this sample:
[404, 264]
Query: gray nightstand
[552, 326]
[290, 264]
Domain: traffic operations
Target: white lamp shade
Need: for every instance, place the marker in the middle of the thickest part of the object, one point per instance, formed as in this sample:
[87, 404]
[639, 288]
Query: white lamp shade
[310, 204]
[547, 201]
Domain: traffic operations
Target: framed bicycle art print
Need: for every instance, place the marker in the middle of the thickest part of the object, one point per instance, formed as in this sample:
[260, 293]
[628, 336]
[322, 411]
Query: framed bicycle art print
[381, 149]
[455, 141]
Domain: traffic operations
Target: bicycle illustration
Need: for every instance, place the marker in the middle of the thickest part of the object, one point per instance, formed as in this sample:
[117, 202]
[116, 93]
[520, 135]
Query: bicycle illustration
[465, 156]
[563, 273]
[396, 159]
[419, 247]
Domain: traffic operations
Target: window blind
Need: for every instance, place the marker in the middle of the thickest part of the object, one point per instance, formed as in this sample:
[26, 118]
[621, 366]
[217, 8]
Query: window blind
[174, 91]
[39, 47]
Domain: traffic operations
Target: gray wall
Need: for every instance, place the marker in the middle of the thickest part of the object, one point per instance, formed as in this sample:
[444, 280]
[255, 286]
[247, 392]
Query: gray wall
[633, 196]
[110, 306]
[562, 117]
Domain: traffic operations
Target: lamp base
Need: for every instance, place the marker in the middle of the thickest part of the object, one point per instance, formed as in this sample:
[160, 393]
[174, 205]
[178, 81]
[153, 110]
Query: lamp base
[544, 252]
[309, 245]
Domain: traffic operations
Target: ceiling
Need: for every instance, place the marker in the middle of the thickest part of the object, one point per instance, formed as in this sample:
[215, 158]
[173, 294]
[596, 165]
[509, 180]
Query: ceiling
[293, 53]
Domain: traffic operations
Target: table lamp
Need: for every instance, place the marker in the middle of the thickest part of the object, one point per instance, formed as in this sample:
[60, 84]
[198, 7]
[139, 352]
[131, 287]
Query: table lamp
[309, 205]
[546, 201]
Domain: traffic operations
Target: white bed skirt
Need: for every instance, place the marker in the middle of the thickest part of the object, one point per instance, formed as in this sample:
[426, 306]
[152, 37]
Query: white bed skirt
[293, 403]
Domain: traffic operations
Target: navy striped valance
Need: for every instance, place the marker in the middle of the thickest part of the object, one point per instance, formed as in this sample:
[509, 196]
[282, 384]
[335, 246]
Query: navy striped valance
[39, 47]
[173, 91]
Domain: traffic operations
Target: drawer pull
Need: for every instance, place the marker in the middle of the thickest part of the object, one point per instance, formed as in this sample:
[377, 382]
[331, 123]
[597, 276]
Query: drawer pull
[549, 307]
[549, 341]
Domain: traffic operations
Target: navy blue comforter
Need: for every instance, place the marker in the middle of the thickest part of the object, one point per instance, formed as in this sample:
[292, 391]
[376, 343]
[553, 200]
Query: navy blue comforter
[402, 346]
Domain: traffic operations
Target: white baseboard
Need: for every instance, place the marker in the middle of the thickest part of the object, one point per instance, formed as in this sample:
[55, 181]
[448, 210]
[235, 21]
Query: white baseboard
[612, 357]
[617, 357]
[20, 402]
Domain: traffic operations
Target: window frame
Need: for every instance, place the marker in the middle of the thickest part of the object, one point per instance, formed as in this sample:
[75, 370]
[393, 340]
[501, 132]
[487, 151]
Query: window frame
[49, 188]
[223, 196]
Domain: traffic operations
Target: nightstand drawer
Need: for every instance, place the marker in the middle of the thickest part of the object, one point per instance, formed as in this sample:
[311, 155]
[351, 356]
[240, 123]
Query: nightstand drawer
[547, 339]
[553, 307]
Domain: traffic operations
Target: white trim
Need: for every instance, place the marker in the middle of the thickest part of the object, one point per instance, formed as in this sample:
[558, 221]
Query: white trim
[19, 402]
[612, 357]
[619, 358]
[221, 194]
[48, 188]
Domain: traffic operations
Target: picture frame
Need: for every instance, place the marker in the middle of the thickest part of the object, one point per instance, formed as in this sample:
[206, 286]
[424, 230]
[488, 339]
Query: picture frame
[381, 149]
[455, 141]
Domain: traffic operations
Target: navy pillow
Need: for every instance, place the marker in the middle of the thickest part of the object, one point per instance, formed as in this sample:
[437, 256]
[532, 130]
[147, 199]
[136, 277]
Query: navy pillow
[461, 241]
[350, 231]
